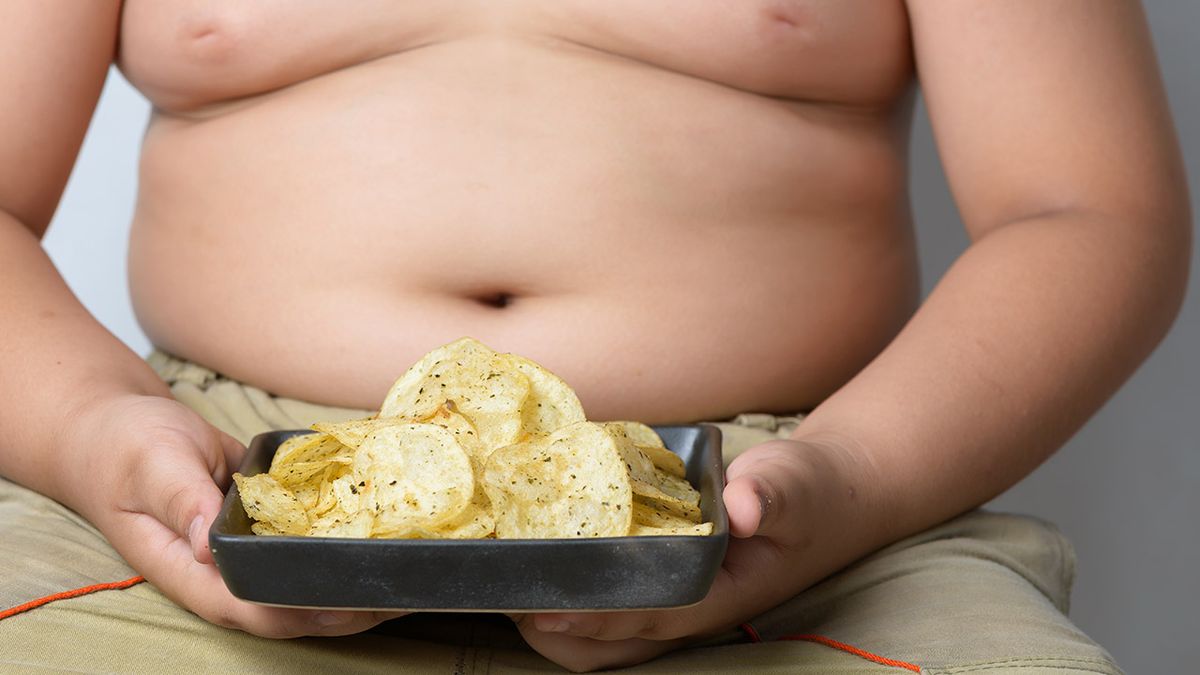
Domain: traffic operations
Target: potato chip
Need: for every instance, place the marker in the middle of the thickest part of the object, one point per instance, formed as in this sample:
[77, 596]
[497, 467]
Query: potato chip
[678, 488]
[666, 461]
[475, 378]
[264, 530]
[651, 494]
[301, 463]
[407, 398]
[412, 477]
[468, 444]
[352, 433]
[570, 484]
[639, 433]
[645, 478]
[294, 474]
[475, 522]
[311, 448]
[551, 405]
[689, 530]
[342, 494]
[338, 523]
[289, 445]
[448, 418]
[669, 506]
[648, 515]
[648, 441]
[327, 496]
[308, 494]
[266, 501]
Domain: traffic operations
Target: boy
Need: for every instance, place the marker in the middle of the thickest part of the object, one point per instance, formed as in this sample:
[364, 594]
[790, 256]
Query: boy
[689, 211]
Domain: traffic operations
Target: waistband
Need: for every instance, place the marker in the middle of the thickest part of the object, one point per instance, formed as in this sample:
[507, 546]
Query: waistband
[243, 411]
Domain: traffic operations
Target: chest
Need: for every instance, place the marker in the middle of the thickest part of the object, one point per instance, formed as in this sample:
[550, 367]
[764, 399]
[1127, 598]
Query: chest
[185, 54]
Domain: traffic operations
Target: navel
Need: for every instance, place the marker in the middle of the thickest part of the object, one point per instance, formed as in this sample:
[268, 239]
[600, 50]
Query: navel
[499, 300]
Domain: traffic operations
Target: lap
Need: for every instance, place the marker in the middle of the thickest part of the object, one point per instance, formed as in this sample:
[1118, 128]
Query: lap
[984, 592]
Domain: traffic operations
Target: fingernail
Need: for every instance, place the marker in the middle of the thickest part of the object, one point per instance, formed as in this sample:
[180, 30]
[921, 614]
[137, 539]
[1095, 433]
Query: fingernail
[558, 626]
[764, 504]
[194, 528]
[327, 619]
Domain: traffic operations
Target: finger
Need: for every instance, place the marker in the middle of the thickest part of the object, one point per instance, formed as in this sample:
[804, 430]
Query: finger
[333, 623]
[167, 562]
[736, 594]
[176, 489]
[583, 654]
[198, 527]
[603, 625]
[233, 451]
[647, 624]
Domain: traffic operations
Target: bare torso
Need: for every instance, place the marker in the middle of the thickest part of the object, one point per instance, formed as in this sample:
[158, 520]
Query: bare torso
[686, 209]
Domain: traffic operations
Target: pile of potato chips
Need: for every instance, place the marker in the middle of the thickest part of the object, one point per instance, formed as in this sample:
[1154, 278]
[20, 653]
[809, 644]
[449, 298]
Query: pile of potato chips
[471, 443]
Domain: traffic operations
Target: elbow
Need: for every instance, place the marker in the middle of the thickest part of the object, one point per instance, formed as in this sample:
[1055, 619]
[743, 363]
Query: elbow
[1166, 265]
[1179, 233]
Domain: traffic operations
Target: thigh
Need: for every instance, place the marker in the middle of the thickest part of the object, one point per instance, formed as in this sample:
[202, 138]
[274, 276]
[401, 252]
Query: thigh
[45, 549]
[983, 592]
[69, 603]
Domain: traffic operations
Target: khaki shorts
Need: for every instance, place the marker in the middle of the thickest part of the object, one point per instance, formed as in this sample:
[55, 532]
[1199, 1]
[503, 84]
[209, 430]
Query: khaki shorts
[984, 592]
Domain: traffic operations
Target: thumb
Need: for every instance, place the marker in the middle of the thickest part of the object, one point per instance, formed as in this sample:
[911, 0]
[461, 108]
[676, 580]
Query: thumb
[757, 492]
[754, 505]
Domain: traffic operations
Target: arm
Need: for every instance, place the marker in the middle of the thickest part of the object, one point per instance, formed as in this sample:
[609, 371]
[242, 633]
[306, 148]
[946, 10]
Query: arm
[85, 420]
[1059, 148]
[55, 56]
[1058, 145]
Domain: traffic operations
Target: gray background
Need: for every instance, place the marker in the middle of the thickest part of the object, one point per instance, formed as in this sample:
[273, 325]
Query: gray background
[1125, 489]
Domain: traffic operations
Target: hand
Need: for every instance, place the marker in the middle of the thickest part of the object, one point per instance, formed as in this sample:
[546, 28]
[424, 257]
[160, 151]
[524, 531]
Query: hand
[777, 495]
[152, 480]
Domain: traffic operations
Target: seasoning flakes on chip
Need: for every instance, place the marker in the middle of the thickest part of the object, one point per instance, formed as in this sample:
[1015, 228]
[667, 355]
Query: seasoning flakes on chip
[471, 444]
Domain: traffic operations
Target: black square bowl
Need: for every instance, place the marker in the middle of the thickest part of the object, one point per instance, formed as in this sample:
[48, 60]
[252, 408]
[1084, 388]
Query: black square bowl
[607, 573]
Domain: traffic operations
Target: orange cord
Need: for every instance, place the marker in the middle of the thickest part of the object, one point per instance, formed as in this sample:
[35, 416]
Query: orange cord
[747, 628]
[751, 632]
[828, 642]
[73, 593]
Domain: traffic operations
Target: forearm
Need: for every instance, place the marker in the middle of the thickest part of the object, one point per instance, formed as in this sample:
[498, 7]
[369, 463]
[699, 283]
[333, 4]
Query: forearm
[55, 359]
[1032, 329]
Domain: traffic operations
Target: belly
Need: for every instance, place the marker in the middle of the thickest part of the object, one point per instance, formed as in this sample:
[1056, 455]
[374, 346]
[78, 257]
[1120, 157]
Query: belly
[674, 248]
